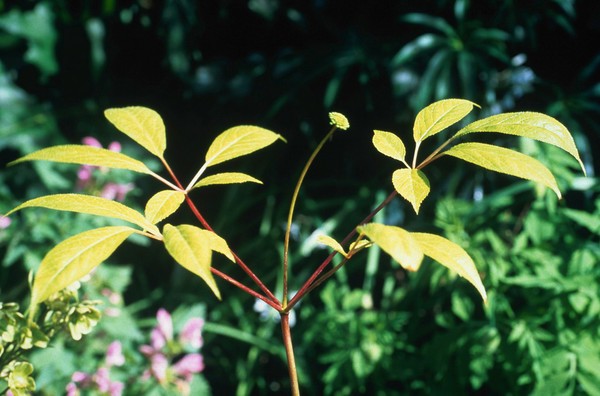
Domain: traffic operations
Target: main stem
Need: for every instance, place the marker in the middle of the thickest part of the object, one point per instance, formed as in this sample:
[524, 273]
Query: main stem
[289, 351]
[288, 228]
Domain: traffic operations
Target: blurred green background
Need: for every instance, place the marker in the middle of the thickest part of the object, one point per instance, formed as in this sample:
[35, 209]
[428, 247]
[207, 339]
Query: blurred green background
[373, 329]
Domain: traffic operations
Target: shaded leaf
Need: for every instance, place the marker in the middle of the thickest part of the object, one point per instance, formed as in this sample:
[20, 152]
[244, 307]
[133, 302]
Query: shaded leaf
[452, 256]
[396, 242]
[143, 125]
[388, 143]
[226, 178]
[91, 205]
[531, 125]
[439, 116]
[332, 243]
[412, 185]
[86, 155]
[238, 141]
[506, 161]
[163, 204]
[190, 247]
[74, 258]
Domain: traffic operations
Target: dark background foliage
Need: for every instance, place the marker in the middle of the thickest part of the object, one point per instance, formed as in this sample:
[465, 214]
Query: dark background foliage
[207, 66]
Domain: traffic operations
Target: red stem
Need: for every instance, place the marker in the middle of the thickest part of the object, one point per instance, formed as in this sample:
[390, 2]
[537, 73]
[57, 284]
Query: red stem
[270, 296]
[245, 288]
[306, 287]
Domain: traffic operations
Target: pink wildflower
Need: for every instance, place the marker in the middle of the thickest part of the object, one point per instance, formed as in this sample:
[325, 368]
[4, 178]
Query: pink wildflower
[189, 364]
[192, 332]
[4, 222]
[116, 191]
[114, 354]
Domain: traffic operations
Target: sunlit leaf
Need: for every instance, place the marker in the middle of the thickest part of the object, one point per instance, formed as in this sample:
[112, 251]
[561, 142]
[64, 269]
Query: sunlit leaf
[506, 161]
[189, 246]
[536, 126]
[91, 205]
[452, 256]
[86, 155]
[163, 204]
[396, 242]
[388, 143]
[218, 244]
[143, 125]
[439, 116]
[412, 185]
[332, 243]
[226, 178]
[238, 141]
[74, 258]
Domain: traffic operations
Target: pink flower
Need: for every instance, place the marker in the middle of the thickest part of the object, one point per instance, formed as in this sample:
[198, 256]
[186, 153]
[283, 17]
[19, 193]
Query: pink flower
[165, 324]
[4, 222]
[116, 191]
[158, 367]
[192, 332]
[189, 364]
[114, 354]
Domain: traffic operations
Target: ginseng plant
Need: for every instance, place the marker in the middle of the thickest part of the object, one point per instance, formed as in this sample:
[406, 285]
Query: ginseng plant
[192, 246]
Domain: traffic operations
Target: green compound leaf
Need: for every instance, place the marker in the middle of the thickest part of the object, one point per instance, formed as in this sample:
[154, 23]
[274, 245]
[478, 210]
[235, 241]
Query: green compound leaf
[439, 116]
[91, 205]
[452, 256]
[388, 143]
[238, 141]
[162, 205]
[530, 125]
[74, 258]
[190, 247]
[395, 241]
[86, 155]
[412, 185]
[143, 125]
[506, 161]
[226, 178]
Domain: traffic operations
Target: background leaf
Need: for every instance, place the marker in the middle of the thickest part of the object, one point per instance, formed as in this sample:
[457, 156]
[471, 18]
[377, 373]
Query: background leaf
[439, 116]
[162, 205]
[238, 141]
[86, 155]
[143, 125]
[226, 178]
[91, 205]
[532, 125]
[412, 185]
[506, 161]
[396, 242]
[388, 143]
[74, 258]
[188, 245]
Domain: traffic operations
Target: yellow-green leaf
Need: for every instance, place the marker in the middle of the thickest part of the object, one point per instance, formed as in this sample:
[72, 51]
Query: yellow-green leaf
[452, 256]
[143, 125]
[74, 258]
[218, 244]
[388, 143]
[332, 243]
[439, 116]
[412, 185]
[189, 246]
[226, 178]
[91, 205]
[86, 155]
[163, 204]
[396, 242]
[506, 161]
[238, 141]
[531, 125]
